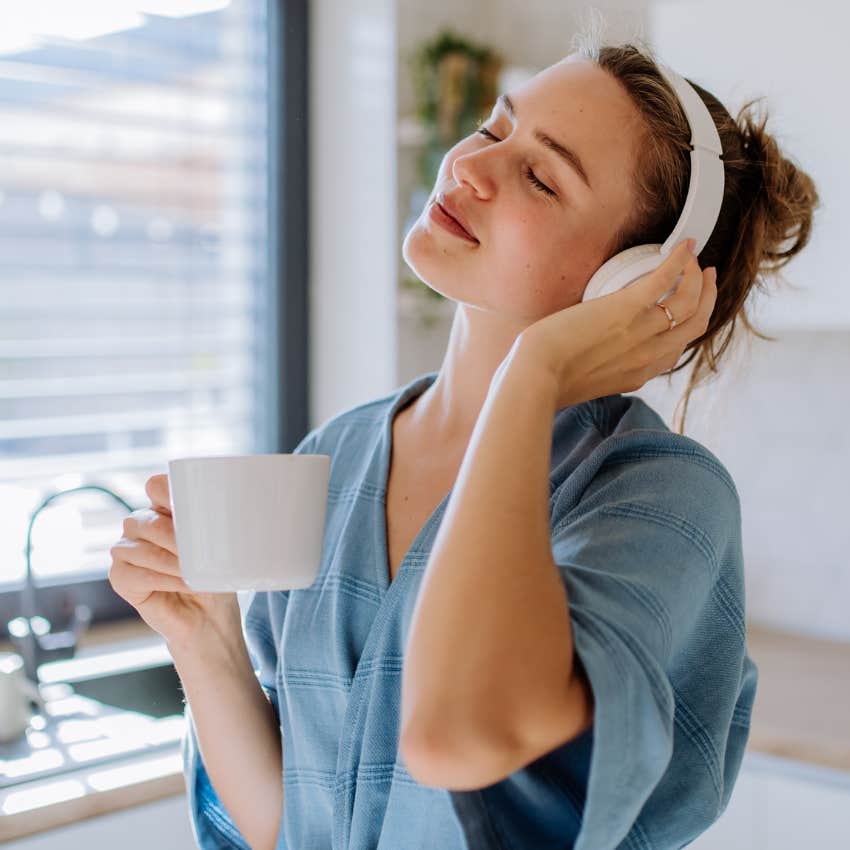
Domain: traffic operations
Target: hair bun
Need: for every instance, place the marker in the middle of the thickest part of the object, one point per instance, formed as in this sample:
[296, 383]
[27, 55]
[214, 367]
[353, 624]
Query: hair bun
[785, 194]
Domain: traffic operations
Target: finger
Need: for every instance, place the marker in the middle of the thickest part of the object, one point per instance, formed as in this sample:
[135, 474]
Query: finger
[697, 324]
[148, 524]
[143, 553]
[673, 267]
[663, 350]
[663, 279]
[157, 489]
[684, 302]
[135, 583]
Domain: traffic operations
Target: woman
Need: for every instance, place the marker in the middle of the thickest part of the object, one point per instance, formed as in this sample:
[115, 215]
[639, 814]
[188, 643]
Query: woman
[528, 628]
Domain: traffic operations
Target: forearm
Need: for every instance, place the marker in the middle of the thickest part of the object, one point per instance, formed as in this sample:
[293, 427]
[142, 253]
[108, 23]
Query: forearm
[238, 735]
[490, 638]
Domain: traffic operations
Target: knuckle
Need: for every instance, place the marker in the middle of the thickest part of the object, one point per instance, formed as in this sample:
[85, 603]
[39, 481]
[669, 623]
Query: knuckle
[159, 559]
[165, 531]
[159, 520]
[134, 519]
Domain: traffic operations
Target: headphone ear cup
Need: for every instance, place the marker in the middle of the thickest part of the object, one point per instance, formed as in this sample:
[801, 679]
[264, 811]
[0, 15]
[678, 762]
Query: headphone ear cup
[623, 269]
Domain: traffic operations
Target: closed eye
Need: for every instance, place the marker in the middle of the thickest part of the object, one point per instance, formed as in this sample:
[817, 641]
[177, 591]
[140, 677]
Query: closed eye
[529, 174]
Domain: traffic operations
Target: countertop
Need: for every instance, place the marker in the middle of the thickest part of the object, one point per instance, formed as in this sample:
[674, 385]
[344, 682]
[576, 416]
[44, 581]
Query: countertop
[801, 713]
[802, 707]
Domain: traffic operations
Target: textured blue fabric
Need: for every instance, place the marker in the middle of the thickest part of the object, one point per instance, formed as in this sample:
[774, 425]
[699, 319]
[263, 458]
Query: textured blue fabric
[646, 534]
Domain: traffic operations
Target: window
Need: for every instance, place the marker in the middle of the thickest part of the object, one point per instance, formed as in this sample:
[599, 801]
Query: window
[139, 284]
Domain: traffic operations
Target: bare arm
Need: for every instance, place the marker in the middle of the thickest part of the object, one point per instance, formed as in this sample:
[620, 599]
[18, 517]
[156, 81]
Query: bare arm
[487, 682]
[238, 734]
[237, 729]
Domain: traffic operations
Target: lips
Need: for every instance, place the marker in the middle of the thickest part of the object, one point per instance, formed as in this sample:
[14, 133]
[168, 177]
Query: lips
[451, 209]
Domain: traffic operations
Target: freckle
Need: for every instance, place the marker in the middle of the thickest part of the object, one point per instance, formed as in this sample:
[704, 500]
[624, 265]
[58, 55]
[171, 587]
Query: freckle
[563, 277]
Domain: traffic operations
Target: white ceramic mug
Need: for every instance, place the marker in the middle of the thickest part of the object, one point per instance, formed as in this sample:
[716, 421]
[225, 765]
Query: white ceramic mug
[16, 691]
[249, 522]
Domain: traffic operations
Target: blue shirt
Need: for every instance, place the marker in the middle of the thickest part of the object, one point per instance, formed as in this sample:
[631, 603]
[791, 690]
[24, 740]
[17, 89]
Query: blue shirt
[646, 535]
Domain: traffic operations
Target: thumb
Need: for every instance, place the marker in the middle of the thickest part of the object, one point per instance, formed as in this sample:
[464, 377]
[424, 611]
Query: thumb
[157, 489]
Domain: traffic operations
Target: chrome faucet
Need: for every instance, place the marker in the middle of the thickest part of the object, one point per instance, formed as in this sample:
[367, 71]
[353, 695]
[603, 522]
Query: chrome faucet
[31, 633]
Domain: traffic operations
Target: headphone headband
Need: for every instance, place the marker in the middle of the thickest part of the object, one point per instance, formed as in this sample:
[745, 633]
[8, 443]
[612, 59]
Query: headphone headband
[702, 204]
[705, 189]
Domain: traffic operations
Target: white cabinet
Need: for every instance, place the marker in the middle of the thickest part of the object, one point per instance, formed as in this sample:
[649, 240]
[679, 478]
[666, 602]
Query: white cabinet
[782, 805]
[161, 824]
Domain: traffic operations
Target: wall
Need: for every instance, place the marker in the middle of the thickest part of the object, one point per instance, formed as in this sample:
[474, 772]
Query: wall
[353, 204]
[786, 60]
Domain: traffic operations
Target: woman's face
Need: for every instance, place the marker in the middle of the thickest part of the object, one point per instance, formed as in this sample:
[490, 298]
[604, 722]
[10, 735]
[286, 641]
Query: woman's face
[536, 251]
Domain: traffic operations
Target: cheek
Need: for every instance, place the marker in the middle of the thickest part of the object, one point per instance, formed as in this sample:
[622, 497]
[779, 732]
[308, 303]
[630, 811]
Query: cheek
[527, 245]
[530, 268]
[524, 234]
[550, 269]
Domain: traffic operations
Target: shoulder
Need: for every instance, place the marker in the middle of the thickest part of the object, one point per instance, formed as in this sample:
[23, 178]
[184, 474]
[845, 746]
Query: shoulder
[620, 431]
[356, 424]
[629, 461]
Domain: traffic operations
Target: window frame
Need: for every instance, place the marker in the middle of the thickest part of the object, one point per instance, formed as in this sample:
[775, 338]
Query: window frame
[283, 409]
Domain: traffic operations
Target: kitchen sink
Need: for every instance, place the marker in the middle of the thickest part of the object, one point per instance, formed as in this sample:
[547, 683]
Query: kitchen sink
[136, 677]
[154, 691]
[98, 707]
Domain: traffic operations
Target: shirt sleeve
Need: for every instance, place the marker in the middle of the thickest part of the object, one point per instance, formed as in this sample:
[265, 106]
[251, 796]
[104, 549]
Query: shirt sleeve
[651, 561]
[262, 621]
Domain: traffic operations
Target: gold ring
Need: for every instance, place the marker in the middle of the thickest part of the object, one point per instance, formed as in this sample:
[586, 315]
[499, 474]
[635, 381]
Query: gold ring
[666, 309]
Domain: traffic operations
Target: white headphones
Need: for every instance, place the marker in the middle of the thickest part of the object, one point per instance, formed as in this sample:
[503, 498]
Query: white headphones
[702, 205]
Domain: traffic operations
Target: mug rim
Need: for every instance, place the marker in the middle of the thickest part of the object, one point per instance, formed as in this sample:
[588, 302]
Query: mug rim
[246, 457]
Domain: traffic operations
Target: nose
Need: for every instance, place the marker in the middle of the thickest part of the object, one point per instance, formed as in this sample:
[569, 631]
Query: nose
[471, 169]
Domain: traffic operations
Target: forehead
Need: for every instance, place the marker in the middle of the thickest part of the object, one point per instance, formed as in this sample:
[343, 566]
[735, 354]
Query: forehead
[584, 107]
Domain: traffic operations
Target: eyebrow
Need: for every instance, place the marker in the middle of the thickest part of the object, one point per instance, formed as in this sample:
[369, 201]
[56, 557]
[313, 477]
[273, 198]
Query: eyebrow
[569, 156]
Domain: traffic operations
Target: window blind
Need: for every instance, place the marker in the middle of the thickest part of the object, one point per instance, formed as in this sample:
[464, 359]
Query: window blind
[133, 258]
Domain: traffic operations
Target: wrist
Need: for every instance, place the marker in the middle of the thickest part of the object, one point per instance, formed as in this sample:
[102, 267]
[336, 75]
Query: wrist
[523, 366]
[212, 644]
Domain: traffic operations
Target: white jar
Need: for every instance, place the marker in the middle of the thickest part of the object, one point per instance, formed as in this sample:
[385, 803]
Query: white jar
[15, 693]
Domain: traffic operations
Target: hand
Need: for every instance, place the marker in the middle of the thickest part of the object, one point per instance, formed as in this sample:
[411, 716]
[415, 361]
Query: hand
[146, 572]
[618, 342]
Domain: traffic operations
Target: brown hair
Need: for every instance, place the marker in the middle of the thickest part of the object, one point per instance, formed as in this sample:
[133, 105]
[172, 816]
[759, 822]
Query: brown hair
[768, 202]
